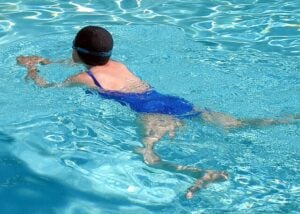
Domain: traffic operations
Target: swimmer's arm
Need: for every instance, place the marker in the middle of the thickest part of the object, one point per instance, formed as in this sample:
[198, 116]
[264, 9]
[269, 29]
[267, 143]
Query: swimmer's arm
[29, 61]
[32, 74]
[69, 62]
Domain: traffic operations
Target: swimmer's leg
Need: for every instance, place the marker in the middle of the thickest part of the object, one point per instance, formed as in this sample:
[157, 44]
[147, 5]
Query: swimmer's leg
[204, 177]
[220, 119]
[208, 178]
[228, 122]
[155, 127]
[291, 119]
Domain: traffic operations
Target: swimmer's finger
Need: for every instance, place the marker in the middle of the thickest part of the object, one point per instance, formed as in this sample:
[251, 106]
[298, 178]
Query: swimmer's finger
[171, 134]
[20, 60]
[179, 124]
[44, 62]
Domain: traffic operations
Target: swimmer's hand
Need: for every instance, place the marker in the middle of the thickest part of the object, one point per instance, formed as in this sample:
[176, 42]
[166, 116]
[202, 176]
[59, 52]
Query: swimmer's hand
[68, 62]
[32, 74]
[31, 61]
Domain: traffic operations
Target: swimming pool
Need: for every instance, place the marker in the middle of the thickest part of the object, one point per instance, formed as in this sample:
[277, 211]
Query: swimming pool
[66, 152]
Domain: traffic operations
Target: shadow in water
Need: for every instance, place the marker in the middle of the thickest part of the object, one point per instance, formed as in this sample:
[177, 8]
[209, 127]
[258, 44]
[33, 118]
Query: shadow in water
[24, 191]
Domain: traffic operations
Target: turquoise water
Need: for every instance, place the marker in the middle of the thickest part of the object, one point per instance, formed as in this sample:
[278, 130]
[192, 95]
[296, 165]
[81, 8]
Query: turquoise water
[65, 152]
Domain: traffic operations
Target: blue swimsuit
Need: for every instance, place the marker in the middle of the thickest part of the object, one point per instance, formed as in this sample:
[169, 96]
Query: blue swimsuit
[150, 102]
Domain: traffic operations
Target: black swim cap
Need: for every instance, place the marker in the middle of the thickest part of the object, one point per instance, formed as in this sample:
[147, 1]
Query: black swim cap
[93, 45]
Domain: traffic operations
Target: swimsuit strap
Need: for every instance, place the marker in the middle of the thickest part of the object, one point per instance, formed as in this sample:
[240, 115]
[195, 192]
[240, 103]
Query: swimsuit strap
[94, 79]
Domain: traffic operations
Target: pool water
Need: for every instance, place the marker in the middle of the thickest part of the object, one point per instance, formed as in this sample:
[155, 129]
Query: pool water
[63, 151]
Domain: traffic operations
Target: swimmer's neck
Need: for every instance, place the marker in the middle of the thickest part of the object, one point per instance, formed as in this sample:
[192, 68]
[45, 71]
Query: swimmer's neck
[91, 66]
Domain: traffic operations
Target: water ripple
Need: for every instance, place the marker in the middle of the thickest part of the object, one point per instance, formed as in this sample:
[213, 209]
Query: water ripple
[87, 142]
[222, 22]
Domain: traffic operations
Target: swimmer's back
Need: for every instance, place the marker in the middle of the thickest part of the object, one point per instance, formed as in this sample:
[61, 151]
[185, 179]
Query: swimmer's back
[114, 76]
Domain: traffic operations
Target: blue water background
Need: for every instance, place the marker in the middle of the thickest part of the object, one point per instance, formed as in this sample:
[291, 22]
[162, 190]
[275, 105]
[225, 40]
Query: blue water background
[66, 152]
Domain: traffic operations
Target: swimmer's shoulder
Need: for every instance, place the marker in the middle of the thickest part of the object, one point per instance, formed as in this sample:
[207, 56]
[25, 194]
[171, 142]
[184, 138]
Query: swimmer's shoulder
[123, 79]
[134, 84]
[115, 65]
[80, 78]
[113, 76]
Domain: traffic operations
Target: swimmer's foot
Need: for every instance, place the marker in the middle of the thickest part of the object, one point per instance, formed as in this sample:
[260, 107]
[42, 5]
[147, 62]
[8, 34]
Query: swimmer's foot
[209, 177]
[297, 117]
[291, 119]
[149, 156]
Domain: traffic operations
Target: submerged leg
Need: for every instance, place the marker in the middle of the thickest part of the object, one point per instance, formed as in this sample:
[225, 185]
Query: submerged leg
[220, 119]
[204, 177]
[228, 122]
[208, 177]
[268, 122]
[155, 127]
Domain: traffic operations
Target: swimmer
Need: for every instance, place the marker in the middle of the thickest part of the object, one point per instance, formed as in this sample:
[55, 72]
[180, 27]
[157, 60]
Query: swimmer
[159, 114]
